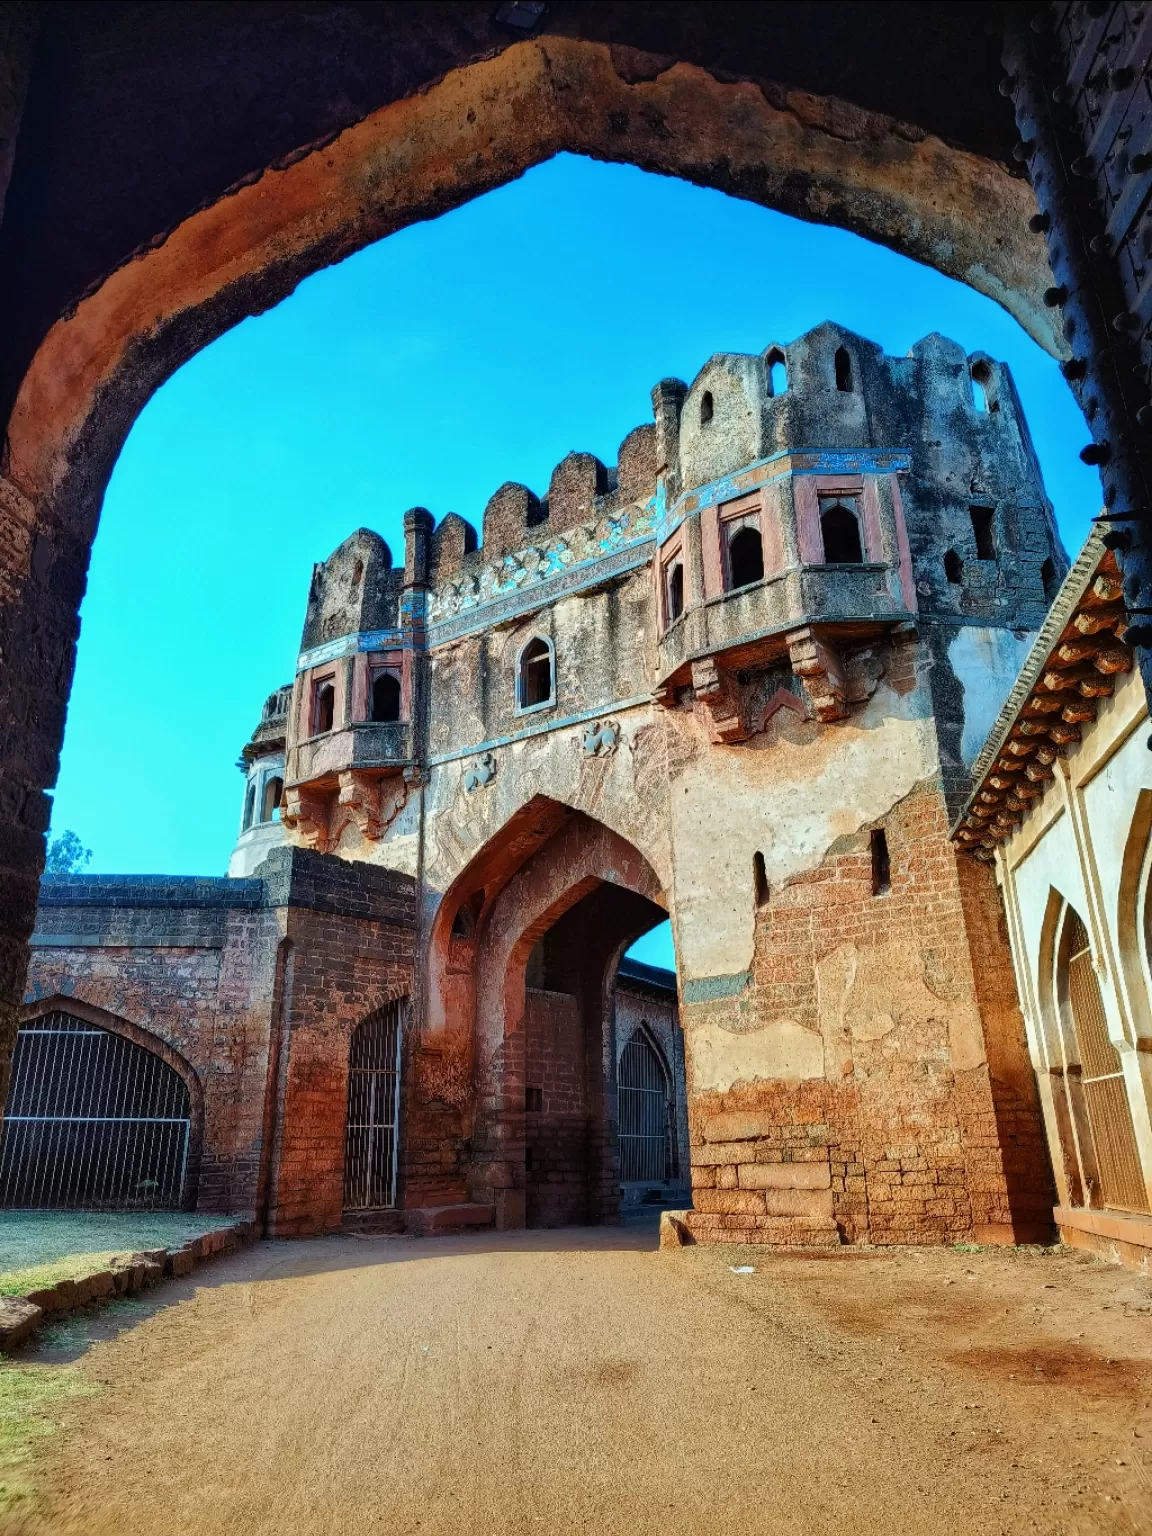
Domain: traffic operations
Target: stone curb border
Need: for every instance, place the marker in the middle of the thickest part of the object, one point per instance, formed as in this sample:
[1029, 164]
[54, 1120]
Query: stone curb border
[20, 1316]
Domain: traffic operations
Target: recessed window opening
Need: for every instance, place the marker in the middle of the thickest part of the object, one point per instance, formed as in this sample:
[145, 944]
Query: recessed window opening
[984, 528]
[535, 673]
[675, 591]
[981, 393]
[840, 531]
[954, 568]
[843, 371]
[270, 805]
[745, 557]
[1048, 580]
[881, 866]
[777, 374]
[385, 697]
[249, 806]
[323, 708]
[760, 879]
[534, 1100]
[706, 407]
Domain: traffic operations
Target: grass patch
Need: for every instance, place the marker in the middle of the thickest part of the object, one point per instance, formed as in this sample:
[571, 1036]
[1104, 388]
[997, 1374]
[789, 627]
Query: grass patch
[18, 1282]
[29, 1395]
[32, 1239]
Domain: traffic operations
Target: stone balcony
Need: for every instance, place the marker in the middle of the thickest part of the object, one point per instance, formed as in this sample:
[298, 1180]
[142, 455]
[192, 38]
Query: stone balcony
[355, 774]
[360, 746]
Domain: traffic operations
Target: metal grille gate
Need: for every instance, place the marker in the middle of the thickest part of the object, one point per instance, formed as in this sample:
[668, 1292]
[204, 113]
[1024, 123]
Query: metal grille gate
[373, 1100]
[93, 1121]
[645, 1107]
[1105, 1096]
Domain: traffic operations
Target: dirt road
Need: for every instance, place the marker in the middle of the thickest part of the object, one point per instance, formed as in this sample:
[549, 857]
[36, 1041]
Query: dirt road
[584, 1382]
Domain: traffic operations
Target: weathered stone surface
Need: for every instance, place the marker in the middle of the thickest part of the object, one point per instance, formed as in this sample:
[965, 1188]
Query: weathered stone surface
[18, 1318]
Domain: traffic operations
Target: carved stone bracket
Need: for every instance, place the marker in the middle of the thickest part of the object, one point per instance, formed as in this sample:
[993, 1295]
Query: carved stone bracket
[819, 668]
[371, 802]
[717, 690]
[306, 812]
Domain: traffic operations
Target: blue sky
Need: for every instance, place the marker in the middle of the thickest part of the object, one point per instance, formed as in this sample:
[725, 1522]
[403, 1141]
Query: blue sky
[427, 370]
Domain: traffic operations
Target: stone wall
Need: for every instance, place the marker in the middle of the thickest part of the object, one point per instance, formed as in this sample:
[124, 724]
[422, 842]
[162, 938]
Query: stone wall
[256, 985]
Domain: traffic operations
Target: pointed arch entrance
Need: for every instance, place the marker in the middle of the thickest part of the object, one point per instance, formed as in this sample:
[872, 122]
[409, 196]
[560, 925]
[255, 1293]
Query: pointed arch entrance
[524, 954]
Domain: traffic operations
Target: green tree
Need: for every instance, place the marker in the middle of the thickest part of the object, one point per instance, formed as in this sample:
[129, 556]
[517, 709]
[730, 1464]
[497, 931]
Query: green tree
[66, 855]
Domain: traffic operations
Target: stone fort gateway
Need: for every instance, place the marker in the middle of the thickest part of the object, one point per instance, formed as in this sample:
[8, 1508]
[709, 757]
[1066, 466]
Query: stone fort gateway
[740, 680]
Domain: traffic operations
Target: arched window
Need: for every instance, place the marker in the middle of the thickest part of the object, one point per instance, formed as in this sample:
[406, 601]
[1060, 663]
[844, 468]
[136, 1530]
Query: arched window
[1048, 581]
[954, 568]
[777, 374]
[984, 531]
[982, 399]
[385, 697]
[535, 681]
[323, 708]
[270, 806]
[881, 862]
[674, 588]
[843, 371]
[1112, 1171]
[841, 534]
[249, 807]
[93, 1121]
[706, 408]
[373, 1101]
[644, 1099]
[745, 557]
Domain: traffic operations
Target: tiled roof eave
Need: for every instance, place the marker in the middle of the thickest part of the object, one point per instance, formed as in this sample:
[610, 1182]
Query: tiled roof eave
[1063, 675]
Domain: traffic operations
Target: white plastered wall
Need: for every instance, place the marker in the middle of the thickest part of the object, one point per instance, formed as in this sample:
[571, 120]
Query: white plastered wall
[1086, 844]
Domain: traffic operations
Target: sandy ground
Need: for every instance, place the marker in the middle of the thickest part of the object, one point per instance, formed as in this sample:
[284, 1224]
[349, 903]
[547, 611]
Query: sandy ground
[584, 1382]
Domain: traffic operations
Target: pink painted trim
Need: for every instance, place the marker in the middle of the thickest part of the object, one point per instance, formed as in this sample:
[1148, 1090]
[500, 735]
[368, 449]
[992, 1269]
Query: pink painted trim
[907, 585]
[806, 492]
[711, 557]
[873, 544]
[771, 531]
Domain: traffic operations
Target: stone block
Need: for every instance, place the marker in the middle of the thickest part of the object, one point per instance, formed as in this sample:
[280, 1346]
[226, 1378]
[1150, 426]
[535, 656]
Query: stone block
[427, 1220]
[674, 1231]
[737, 1125]
[785, 1176]
[730, 1202]
[52, 1299]
[182, 1262]
[18, 1317]
[798, 1202]
[101, 1285]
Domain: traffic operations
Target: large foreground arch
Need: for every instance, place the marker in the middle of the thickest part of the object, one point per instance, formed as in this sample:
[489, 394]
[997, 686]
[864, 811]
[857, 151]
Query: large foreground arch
[475, 128]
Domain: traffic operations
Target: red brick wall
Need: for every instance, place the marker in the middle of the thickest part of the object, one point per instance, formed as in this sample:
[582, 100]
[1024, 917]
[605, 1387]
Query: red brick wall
[211, 1005]
[908, 1137]
[556, 1136]
[343, 970]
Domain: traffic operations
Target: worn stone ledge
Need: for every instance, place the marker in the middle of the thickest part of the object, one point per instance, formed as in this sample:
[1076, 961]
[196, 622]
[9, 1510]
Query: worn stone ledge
[20, 1316]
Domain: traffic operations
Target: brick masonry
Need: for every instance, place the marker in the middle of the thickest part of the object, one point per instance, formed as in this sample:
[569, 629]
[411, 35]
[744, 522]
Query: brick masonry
[254, 987]
[920, 1128]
